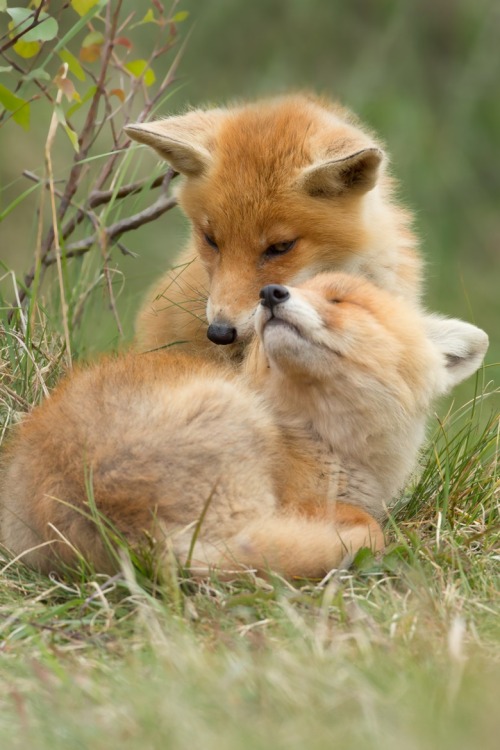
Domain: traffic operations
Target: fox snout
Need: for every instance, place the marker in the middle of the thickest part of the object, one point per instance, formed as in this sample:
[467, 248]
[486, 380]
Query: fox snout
[227, 325]
[222, 333]
[272, 295]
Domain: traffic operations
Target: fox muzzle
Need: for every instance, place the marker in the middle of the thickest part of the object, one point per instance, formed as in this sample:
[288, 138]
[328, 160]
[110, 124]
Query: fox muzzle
[222, 333]
[273, 294]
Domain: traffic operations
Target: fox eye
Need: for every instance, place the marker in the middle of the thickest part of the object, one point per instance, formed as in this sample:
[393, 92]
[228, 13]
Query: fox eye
[210, 241]
[335, 301]
[279, 248]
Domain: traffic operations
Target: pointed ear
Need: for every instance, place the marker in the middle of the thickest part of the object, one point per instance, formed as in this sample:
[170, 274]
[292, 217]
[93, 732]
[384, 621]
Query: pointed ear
[462, 346]
[357, 171]
[184, 141]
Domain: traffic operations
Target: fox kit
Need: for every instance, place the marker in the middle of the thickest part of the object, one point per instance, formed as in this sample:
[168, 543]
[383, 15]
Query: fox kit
[276, 192]
[351, 372]
[279, 463]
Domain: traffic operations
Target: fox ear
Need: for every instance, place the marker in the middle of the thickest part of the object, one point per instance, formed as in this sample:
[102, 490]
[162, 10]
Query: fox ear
[184, 141]
[462, 345]
[356, 171]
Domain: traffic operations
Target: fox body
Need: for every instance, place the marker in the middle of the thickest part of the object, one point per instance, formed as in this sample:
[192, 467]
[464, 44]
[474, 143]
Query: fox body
[276, 192]
[279, 462]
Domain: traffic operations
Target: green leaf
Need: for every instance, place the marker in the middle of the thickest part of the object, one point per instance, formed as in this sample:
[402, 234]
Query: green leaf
[22, 116]
[140, 68]
[83, 6]
[95, 37]
[3, 5]
[5, 68]
[61, 117]
[27, 49]
[20, 108]
[72, 136]
[45, 30]
[136, 67]
[19, 15]
[73, 64]
[149, 17]
[181, 16]
[149, 77]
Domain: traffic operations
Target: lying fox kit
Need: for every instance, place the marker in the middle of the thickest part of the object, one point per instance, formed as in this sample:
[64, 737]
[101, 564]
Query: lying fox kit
[328, 415]
[276, 192]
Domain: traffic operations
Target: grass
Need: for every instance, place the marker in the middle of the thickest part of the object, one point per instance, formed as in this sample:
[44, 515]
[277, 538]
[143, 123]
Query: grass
[401, 651]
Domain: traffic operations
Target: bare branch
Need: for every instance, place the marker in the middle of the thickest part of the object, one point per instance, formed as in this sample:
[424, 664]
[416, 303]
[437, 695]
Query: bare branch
[100, 197]
[164, 203]
[158, 208]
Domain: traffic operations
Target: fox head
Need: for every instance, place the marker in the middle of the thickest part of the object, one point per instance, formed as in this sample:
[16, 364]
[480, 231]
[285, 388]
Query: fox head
[276, 192]
[343, 334]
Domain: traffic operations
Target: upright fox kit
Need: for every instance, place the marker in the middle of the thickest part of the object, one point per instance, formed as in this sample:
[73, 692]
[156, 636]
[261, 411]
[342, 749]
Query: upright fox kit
[327, 415]
[276, 192]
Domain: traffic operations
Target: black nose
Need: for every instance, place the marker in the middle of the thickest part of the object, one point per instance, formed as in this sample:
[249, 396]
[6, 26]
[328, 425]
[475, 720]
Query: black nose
[273, 294]
[221, 333]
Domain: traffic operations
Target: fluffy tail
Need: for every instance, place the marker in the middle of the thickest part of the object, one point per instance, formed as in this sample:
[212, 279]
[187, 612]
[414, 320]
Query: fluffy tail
[293, 545]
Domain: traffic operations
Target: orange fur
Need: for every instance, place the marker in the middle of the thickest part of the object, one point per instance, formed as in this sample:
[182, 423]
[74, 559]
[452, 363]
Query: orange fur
[287, 464]
[293, 168]
[155, 437]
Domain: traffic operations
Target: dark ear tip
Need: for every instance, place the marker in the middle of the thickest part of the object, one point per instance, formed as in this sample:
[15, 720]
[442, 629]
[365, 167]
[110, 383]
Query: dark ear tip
[133, 130]
[371, 157]
[136, 134]
[379, 153]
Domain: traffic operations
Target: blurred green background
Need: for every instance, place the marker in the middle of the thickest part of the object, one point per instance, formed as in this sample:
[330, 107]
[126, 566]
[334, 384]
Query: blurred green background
[425, 75]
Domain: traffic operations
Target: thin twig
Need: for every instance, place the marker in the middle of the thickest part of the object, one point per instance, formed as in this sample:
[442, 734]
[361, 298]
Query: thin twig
[77, 251]
[100, 197]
